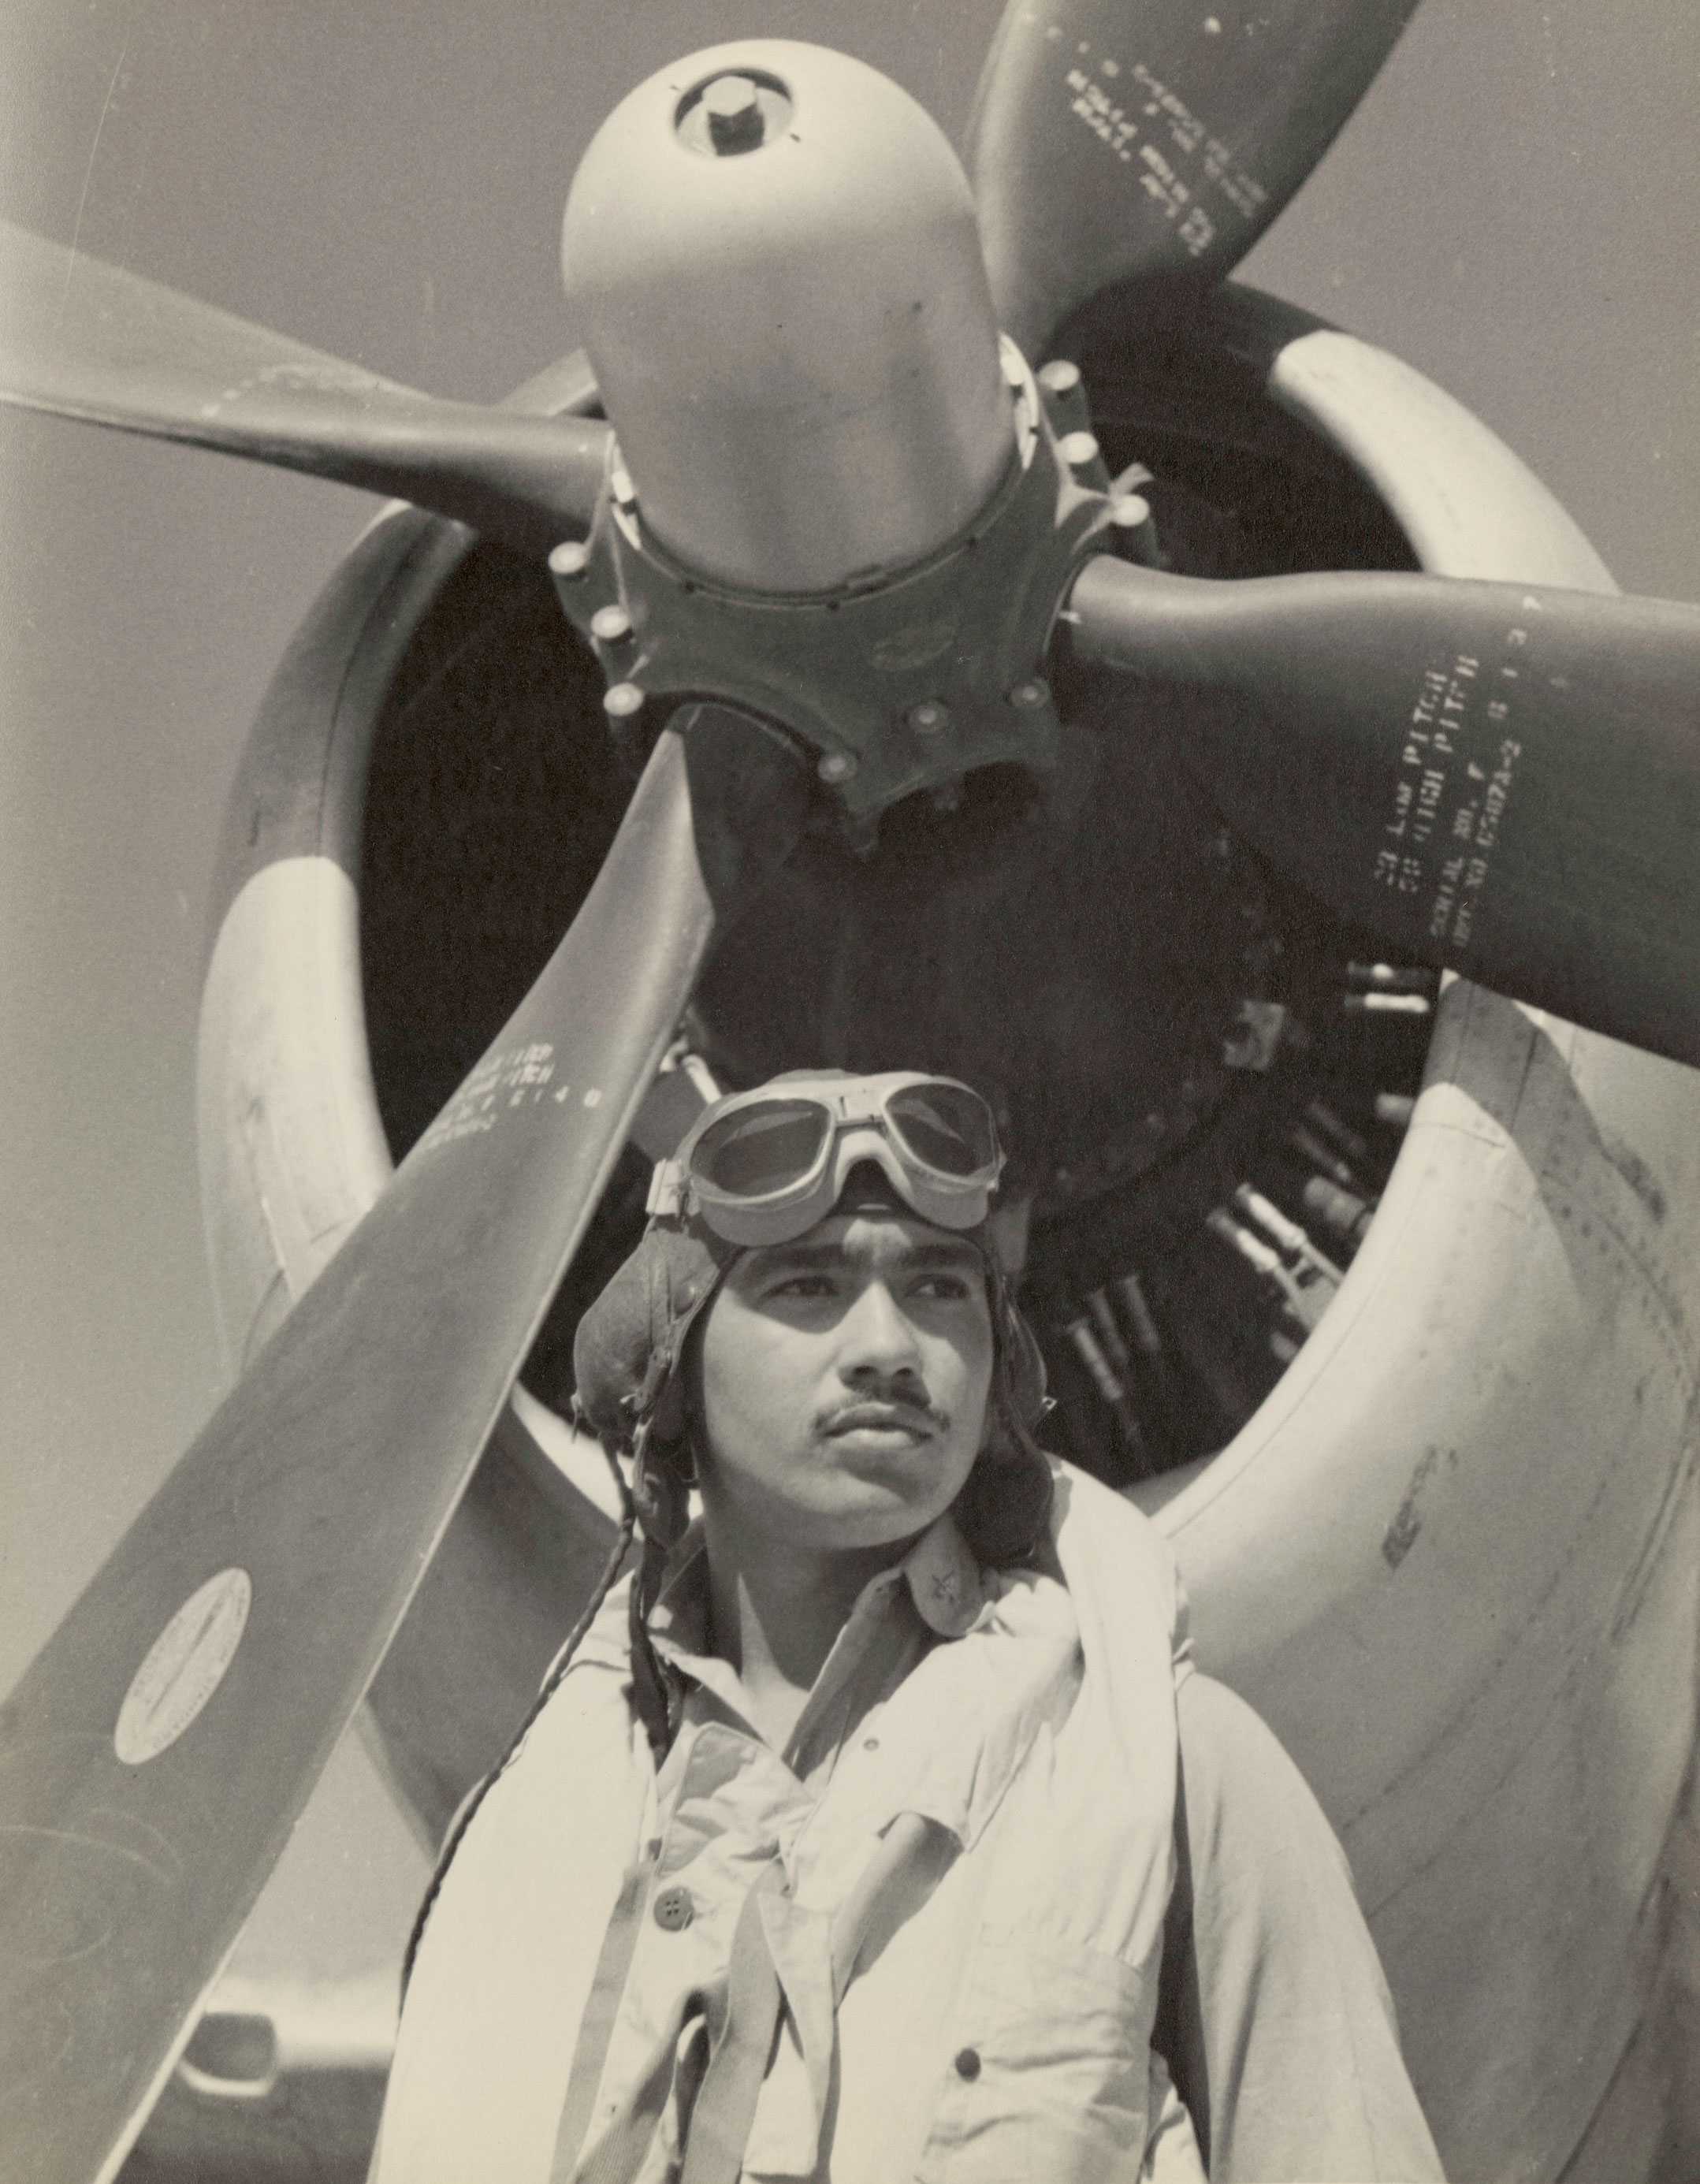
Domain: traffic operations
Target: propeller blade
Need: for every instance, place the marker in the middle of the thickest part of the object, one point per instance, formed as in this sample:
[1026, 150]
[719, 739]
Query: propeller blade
[78, 338]
[1500, 779]
[155, 1756]
[1153, 140]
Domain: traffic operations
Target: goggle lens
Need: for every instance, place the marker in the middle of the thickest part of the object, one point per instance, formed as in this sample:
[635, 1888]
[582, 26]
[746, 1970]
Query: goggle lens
[946, 1126]
[758, 1151]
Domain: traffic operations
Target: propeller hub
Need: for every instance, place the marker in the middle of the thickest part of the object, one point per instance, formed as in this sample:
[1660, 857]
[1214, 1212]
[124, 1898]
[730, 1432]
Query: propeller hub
[772, 253]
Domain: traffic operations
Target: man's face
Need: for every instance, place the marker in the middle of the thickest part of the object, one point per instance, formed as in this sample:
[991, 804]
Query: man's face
[845, 1378]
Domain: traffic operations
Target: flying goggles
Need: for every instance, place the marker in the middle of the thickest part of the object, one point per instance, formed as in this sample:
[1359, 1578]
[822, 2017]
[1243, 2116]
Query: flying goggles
[762, 1166]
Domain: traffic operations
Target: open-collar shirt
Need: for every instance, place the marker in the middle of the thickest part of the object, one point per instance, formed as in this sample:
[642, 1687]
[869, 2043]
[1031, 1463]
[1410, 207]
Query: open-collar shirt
[875, 1743]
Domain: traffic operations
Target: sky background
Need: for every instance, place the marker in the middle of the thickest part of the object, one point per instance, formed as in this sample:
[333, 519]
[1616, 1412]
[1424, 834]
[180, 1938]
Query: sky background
[1512, 209]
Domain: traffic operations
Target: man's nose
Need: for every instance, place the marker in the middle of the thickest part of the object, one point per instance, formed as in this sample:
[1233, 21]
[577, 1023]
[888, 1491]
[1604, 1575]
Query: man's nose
[877, 1337]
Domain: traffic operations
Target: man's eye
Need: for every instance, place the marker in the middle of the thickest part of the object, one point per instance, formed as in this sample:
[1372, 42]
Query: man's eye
[944, 1286]
[803, 1285]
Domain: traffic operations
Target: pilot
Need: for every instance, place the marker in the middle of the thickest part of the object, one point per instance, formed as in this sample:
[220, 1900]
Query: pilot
[878, 1825]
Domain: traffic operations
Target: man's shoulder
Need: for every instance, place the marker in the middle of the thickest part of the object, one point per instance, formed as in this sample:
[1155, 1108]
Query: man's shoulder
[1230, 1752]
[1081, 1500]
[583, 1707]
[592, 1670]
[1107, 1547]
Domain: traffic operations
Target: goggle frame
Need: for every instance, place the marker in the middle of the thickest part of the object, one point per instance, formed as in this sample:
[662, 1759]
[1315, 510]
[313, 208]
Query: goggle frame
[859, 1123]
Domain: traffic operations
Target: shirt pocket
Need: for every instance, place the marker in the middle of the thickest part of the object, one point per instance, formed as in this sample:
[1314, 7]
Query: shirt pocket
[1046, 2073]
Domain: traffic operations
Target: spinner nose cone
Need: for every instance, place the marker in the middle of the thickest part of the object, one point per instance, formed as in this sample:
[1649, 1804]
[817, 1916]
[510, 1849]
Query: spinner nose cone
[771, 253]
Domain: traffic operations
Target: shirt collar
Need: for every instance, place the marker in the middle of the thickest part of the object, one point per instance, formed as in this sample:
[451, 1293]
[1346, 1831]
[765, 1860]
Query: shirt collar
[943, 1577]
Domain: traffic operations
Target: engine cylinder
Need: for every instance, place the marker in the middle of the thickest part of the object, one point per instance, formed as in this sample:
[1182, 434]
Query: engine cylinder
[771, 253]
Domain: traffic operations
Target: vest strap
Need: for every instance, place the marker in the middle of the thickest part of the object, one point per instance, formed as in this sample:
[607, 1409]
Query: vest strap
[725, 2108]
[619, 1944]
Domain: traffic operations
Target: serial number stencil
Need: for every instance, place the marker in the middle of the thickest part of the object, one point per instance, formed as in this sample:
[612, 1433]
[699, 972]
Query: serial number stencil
[512, 1077]
[1147, 125]
[1457, 772]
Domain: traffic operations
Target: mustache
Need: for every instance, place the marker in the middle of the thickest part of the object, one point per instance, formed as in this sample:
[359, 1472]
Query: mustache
[912, 1405]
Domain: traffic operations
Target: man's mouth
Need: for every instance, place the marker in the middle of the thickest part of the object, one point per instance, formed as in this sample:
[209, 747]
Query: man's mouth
[916, 1421]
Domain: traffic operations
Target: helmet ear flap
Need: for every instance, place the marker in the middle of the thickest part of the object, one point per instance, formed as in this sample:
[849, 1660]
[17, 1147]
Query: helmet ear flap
[1005, 1506]
[660, 1490]
[1021, 1363]
[667, 1418]
[627, 1352]
[1027, 1375]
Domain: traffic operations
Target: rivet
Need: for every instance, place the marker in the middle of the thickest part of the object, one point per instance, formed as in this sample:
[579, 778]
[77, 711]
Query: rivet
[571, 558]
[1079, 448]
[837, 766]
[621, 700]
[1130, 509]
[620, 484]
[1059, 376]
[1030, 694]
[930, 717]
[609, 624]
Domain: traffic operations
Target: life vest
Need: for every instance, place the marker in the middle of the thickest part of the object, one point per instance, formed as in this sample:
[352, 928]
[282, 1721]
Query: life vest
[1064, 1816]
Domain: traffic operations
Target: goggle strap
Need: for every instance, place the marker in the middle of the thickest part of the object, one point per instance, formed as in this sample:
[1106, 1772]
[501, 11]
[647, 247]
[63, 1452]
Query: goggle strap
[665, 1194]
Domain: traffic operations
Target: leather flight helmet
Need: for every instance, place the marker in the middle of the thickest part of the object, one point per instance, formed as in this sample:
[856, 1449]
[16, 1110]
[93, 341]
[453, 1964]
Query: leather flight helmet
[629, 1353]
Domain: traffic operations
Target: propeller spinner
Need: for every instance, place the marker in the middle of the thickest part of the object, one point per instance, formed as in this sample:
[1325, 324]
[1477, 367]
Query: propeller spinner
[777, 245]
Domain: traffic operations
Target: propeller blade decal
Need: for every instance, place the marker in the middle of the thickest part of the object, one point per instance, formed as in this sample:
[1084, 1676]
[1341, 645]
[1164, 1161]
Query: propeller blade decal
[78, 338]
[1154, 140]
[155, 1756]
[1501, 779]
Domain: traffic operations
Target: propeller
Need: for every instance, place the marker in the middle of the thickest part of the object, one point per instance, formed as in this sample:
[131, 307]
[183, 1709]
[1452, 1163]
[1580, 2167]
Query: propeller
[79, 338]
[1500, 779]
[1113, 141]
[155, 1756]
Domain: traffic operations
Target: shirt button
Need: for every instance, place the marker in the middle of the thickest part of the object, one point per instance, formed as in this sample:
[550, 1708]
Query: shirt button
[870, 1744]
[968, 2063]
[674, 1909]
